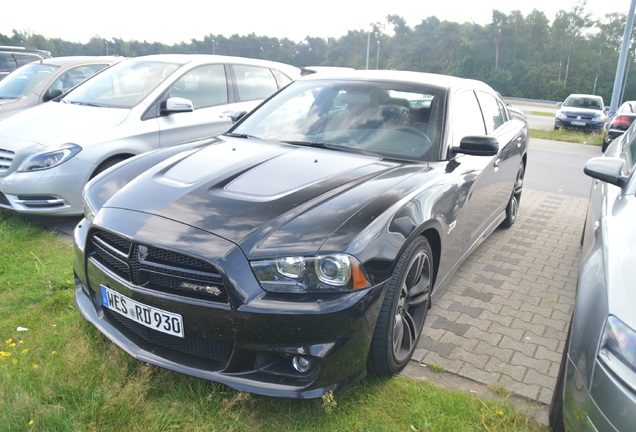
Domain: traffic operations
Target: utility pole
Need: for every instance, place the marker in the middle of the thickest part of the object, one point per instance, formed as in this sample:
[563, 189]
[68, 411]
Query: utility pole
[622, 60]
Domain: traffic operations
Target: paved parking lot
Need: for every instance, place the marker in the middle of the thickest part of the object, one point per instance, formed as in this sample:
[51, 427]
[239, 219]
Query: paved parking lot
[502, 321]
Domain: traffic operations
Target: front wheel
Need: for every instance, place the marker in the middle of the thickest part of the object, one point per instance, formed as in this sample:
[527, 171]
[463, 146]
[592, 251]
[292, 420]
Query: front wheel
[404, 310]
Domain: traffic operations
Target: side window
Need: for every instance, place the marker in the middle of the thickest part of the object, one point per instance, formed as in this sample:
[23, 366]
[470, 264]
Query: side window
[7, 63]
[494, 113]
[76, 75]
[467, 117]
[205, 86]
[629, 150]
[22, 59]
[254, 82]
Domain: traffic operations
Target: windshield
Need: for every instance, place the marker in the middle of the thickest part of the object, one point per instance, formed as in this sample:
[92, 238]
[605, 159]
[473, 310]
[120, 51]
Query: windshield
[124, 85]
[391, 120]
[21, 82]
[584, 102]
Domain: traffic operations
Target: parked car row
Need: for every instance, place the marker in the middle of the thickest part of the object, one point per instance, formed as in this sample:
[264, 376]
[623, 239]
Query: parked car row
[290, 247]
[137, 105]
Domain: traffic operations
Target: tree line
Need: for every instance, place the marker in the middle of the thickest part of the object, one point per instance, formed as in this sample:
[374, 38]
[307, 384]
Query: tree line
[526, 56]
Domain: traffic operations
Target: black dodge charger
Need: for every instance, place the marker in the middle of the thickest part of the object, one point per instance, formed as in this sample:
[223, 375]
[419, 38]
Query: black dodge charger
[301, 248]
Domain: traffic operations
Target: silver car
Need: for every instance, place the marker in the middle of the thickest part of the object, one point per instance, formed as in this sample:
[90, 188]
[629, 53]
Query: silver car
[596, 386]
[44, 80]
[48, 152]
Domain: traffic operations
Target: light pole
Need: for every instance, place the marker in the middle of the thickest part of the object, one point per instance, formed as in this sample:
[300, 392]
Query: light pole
[377, 60]
[620, 68]
[213, 46]
[368, 46]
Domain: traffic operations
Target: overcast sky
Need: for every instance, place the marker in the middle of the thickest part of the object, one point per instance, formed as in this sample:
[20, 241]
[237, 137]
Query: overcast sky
[177, 21]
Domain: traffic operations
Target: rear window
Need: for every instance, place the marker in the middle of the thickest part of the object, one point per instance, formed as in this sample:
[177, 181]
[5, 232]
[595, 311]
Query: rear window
[254, 82]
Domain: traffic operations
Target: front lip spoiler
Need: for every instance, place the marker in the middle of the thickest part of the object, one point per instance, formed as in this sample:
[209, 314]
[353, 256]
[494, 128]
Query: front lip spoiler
[244, 381]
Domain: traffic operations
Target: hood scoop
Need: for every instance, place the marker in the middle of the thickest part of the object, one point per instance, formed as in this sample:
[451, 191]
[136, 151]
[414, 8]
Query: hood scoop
[294, 170]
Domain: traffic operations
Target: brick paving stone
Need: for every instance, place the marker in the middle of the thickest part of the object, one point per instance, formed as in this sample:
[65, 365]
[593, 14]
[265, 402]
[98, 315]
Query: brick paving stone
[503, 318]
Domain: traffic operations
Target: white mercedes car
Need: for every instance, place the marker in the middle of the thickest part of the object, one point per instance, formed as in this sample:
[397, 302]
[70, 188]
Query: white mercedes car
[49, 152]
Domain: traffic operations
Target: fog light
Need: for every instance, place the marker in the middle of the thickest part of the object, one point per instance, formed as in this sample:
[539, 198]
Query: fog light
[301, 364]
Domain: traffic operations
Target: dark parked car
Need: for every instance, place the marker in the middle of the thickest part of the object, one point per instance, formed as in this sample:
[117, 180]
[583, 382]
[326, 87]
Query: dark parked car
[46, 79]
[12, 57]
[581, 112]
[596, 385]
[300, 249]
[620, 122]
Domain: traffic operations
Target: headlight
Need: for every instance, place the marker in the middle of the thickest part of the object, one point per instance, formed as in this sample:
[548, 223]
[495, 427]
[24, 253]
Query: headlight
[561, 115]
[48, 158]
[598, 118]
[89, 211]
[325, 273]
[618, 349]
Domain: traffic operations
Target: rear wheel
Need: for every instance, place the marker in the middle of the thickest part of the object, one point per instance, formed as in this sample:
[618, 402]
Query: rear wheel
[512, 209]
[404, 310]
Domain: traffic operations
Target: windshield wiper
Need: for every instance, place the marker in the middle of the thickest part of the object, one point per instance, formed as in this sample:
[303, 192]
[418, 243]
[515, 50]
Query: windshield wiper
[324, 145]
[83, 103]
[237, 135]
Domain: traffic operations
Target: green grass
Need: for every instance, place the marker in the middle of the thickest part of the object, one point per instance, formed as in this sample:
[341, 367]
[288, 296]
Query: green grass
[542, 113]
[568, 136]
[63, 375]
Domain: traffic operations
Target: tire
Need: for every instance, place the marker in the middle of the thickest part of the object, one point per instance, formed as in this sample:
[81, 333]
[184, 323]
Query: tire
[604, 145]
[555, 417]
[512, 209]
[107, 164]
[404, 310]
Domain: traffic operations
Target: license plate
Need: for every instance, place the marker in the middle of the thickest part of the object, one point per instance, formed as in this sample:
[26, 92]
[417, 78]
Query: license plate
[151, 317]
[578, 123]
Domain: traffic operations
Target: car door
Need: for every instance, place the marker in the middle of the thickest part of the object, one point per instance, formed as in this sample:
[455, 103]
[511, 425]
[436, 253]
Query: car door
[216, 91]
[500, 125]
[206, 87]
[478, 176]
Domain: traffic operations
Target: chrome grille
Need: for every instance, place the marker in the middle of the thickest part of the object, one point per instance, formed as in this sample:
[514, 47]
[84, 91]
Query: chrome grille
[6, 158]
[156, 268]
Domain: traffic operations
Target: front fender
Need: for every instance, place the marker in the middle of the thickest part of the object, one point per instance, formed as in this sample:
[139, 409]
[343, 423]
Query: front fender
[101, 188]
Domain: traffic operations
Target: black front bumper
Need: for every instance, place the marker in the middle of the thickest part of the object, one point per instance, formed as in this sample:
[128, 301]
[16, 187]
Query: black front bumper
[248, 341]
[578, 125]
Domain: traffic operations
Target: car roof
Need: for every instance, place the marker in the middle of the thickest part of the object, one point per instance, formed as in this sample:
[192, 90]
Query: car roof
[584, 95]
[393, 76]
[62, 61]
[18, 49]
[213, 58]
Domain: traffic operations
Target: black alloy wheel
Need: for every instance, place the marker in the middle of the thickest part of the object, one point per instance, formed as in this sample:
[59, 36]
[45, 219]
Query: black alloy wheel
[512, 209]
[404, 310]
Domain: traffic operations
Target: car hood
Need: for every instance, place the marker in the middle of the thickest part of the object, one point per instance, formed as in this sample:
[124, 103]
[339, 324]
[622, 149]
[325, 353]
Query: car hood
[247, 191]
[54, 123]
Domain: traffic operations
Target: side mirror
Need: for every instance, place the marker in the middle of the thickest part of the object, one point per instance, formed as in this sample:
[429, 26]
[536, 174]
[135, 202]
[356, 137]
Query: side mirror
[478, 146]
[51, 94]
[607, 169]
[176, 105]
[237, 115]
